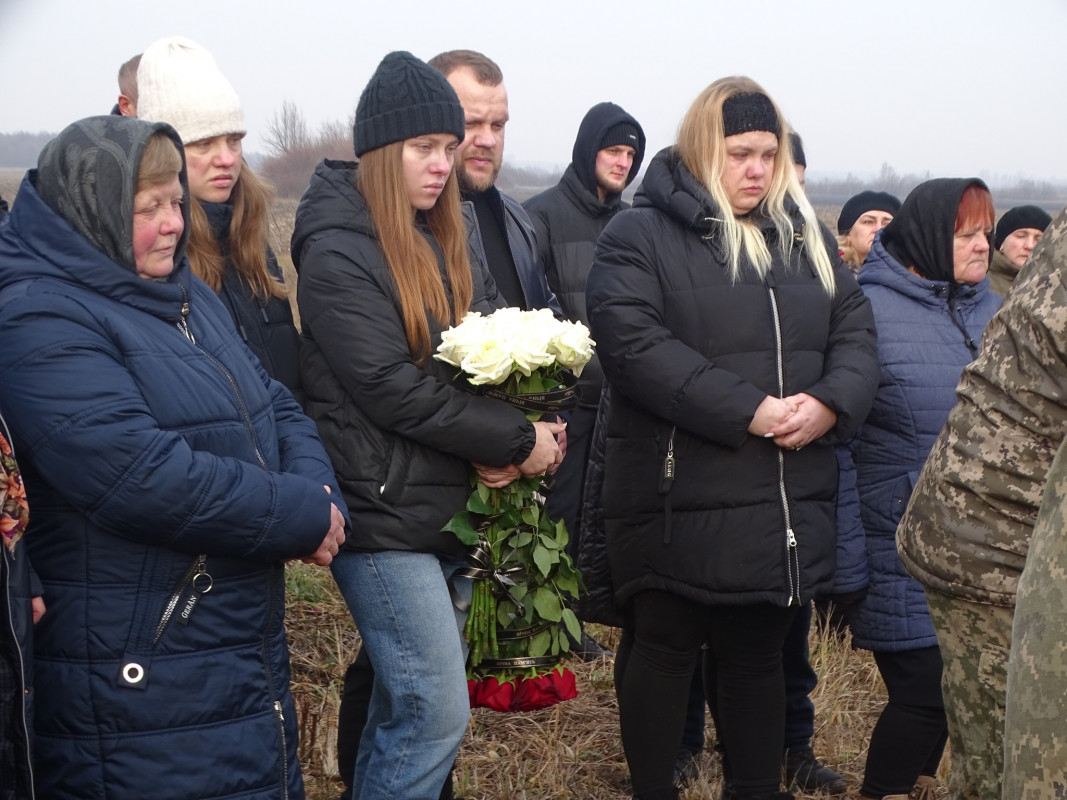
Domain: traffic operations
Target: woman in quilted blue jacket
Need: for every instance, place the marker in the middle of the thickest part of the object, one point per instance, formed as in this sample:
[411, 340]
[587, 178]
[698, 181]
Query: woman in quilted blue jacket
[170, 479]
[925, 276]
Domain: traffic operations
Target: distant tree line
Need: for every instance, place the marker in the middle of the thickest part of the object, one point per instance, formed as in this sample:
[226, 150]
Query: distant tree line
[293, 150]
[835, 191]
[20, 150]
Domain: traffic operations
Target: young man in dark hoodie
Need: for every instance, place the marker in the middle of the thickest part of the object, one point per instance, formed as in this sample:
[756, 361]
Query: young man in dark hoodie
[567, 219]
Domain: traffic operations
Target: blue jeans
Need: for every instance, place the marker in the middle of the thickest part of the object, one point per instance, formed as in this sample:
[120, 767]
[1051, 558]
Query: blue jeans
[413, 634]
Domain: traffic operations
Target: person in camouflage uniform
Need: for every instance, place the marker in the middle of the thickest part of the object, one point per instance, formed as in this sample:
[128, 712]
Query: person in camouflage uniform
[1035, 753]
[967, 529]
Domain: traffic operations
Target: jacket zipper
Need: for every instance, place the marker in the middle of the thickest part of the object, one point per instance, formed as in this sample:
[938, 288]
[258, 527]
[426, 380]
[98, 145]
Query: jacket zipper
[271, 689]
[792, 565]
[665, 483]
[191, 579]
[183, 326]
[21, 665]
[285, 748]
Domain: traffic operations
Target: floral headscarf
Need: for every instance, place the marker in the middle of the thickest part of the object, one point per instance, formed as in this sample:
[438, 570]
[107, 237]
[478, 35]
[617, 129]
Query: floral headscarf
[14, 512]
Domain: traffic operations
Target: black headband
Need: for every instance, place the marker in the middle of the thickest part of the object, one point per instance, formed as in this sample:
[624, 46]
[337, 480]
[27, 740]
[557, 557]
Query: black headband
[748, 111]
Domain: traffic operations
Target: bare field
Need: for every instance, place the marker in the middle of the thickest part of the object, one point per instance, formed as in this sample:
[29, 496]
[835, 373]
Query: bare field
[571, 751]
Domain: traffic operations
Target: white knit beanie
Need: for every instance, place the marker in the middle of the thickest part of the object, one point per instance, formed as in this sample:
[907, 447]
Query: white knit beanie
[178, 82]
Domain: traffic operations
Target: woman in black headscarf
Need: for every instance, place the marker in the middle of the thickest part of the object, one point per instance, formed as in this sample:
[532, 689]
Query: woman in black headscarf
[925, 276]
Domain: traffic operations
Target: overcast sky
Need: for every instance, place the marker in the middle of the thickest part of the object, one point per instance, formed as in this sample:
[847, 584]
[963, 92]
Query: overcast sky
[953, 87]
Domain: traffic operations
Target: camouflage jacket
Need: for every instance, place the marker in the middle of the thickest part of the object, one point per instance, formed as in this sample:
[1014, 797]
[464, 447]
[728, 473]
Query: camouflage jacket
[967, 528]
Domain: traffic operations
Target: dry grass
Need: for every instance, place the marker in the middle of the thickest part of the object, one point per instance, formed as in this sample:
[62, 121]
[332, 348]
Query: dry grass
[571, 751]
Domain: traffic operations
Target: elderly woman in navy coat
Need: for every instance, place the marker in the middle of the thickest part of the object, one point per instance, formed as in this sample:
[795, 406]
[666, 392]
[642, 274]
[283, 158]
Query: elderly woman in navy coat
[926, 279]
[169, 476]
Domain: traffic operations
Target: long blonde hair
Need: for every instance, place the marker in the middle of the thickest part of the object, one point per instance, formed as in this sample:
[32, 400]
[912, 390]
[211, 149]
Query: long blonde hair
[702, 148]
[409, 255]
[249, 229]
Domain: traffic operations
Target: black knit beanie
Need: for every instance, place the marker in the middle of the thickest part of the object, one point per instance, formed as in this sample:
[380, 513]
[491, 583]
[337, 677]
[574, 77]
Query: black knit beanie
[748, 111]
[405, 98]
[858, 205]
[1020, 217]
[623, 133]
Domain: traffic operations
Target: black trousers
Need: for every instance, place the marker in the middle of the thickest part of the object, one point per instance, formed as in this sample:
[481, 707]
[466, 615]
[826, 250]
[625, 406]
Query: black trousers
[743, 677]
[911, 732]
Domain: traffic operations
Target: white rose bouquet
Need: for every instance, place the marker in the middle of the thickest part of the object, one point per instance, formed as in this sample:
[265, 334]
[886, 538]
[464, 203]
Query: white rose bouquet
[523, 575]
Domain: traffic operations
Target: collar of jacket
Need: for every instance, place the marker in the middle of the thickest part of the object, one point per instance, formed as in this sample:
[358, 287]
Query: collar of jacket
[571, 187]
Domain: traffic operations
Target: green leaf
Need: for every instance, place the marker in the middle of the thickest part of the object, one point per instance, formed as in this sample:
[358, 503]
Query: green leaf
[548, 541]
[531, 515]
[504, 611]
[574, 628]
[461, 526]
[520, 539]
[478, 505]
[567, 583]
[547, 605]
[539, 643]
[562, 536]
[542, 557]
[518, 591]
[554, 630]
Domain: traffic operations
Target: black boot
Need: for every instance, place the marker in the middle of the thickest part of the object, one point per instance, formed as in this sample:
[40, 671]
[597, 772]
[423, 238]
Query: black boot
[804, 771]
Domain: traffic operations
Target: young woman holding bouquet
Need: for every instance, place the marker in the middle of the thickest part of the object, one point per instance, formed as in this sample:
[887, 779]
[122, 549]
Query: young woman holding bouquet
[738, 348]
[381, 251]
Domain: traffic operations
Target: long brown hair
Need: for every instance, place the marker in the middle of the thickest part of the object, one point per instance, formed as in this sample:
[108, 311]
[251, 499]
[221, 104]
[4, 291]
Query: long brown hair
[248, 238]
[410, 257]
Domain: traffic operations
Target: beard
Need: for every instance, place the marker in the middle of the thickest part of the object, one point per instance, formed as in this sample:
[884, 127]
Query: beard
[472, 184]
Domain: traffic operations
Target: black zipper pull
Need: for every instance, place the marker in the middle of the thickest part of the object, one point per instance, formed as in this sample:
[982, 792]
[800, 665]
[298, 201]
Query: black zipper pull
[667, 478]
[199, 586]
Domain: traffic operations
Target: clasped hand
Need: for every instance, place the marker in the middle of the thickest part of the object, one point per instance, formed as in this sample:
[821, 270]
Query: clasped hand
[792, 421]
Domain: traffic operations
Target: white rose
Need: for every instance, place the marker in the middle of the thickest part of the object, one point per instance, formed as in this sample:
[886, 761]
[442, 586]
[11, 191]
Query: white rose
[458, 341]
[490, 362]
[572, 346]
[529, 340]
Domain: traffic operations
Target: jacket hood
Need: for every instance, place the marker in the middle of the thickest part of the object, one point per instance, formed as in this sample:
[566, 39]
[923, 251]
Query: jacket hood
[36, 242]
[331, 202]
[882, 269]
[597, 122]
[921, 233]
[88, 176]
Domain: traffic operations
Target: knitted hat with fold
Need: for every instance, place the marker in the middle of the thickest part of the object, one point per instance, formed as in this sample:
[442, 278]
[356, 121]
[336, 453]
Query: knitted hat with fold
[1020, 217]
[178, 82]
[404, 98]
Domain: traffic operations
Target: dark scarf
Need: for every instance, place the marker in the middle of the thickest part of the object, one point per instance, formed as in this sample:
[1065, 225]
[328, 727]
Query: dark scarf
[922, 231]
[88, 175]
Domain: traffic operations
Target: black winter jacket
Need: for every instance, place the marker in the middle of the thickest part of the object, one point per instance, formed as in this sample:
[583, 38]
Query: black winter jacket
[523, 243]
[689, 356]
[401, 435]
[266, 327]
[568, 220]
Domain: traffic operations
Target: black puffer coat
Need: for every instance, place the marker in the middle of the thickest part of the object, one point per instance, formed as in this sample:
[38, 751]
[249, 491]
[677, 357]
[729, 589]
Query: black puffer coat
[266, 327]
[689, 357]
[401, 436]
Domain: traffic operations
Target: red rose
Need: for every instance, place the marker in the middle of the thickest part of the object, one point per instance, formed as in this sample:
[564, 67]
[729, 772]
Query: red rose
[544, 690]
[490, 693]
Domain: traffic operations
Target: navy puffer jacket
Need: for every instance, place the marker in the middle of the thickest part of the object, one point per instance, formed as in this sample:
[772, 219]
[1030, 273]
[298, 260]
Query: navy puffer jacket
[150, 455]
[922, 352]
